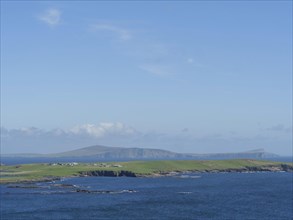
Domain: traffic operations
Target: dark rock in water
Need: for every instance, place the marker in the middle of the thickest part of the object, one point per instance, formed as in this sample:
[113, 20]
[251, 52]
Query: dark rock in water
[83, 191]
[104, 191]
[64, 185]
[24, 186]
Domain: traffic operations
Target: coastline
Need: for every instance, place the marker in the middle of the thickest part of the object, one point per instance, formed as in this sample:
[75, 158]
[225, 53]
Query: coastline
[32, 173]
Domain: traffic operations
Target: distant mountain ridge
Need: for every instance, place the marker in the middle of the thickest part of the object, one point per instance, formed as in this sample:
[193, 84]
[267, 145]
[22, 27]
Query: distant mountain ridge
[103, 152]
[120, 153]
[252, 154]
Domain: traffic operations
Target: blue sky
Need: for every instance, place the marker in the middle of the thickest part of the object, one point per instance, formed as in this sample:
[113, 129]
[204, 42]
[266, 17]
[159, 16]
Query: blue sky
[183, 76]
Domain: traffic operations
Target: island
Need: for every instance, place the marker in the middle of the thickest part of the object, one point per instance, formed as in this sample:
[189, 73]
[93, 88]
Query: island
[28, 173]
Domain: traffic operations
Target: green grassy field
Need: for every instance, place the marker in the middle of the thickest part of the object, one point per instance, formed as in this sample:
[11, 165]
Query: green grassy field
[39, 172]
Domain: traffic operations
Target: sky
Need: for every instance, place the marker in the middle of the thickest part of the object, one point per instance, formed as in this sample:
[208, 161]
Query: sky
[190, 76]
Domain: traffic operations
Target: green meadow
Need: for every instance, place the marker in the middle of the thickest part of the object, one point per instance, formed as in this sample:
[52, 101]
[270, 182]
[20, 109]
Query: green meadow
[41, 172]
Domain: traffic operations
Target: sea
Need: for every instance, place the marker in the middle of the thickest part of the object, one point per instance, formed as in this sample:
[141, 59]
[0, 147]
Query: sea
[223, 196]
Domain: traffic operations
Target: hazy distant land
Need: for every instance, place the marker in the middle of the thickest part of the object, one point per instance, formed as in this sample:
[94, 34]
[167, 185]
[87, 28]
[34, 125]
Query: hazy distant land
[120, 153]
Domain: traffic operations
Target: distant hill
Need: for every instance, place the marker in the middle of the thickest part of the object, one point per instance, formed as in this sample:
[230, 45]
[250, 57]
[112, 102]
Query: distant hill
[253, 154]
[120, 153]
[103, 152]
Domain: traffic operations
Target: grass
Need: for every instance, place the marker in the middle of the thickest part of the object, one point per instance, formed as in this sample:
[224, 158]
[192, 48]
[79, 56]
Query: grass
[38, 172]
[149, 167]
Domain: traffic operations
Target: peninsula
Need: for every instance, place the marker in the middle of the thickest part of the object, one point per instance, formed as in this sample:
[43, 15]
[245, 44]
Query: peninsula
[51, 171]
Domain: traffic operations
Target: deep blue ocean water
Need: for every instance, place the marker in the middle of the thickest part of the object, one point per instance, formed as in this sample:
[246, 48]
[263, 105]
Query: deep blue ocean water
[193, 196]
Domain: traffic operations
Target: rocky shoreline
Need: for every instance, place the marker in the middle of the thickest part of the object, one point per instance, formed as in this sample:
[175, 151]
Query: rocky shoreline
[108, 173]
[126, 173]
[31, 184]
[70, 188]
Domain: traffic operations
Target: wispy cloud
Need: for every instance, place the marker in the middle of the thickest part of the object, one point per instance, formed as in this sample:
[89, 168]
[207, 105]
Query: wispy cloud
[122, 33]
[51, 17]
[194, 62]
[31, 139]
[156, 69]
[190, 60]
[103, 129]
[99, 130]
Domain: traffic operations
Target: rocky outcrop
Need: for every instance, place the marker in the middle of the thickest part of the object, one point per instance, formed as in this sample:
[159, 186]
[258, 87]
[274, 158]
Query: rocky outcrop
[276, 168]
[109, 173]
[24, 186]
[287, 168]
[105, 191]
[273, 168]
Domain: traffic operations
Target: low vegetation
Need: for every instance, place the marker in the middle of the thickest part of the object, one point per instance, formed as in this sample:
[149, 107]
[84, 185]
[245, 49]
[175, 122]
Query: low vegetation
[43, 172]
